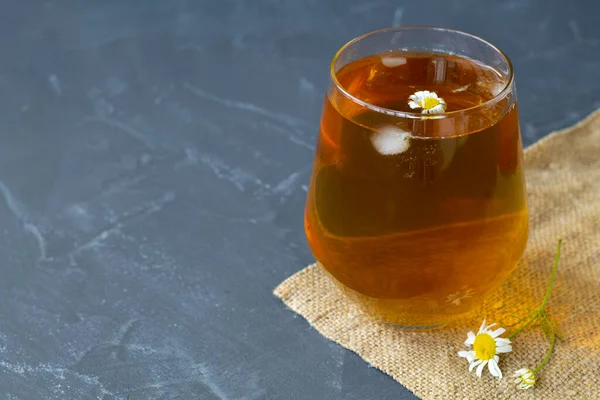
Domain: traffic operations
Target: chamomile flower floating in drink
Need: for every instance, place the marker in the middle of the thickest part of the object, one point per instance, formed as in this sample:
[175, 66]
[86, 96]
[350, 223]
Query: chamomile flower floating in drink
[428, 102]
[486, 346]
[524, 378]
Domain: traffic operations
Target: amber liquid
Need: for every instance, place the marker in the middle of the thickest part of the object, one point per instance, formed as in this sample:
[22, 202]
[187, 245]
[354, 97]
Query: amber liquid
[417, 231]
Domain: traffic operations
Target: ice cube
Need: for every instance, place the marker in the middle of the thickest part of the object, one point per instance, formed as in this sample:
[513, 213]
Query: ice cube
[393, 61]
[492, 85]
[497, 88]
[390, 140]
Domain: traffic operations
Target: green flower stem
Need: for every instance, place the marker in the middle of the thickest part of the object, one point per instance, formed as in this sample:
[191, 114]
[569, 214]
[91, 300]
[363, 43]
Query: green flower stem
[547, 357]
[541, 312]
[553, 277]
[519, 322]
[515, 333]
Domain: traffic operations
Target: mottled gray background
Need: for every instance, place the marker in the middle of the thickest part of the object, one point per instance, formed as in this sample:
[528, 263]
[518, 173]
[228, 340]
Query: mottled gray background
[154, 157]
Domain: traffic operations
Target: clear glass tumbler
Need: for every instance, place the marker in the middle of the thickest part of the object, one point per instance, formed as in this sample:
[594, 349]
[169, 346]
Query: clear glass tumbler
[417, 203]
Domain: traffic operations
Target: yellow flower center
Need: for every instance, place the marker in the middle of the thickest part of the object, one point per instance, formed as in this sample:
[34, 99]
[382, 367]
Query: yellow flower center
[428, 103]
[484, 346]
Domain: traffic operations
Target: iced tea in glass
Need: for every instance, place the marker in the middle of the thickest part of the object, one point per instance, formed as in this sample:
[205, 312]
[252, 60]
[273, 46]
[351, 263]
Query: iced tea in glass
[417, 204]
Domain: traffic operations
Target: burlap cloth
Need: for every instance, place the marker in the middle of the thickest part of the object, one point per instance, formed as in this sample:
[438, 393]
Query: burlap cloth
[563, 180]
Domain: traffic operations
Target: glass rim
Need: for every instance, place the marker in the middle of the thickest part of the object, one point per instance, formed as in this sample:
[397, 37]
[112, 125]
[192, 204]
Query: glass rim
[405, 114]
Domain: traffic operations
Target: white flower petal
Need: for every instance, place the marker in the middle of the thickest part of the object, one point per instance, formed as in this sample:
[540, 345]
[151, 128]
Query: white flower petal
[502, 341]
[493, 368]
[480, 368]
[415, 97]
[471, 356]
[520, 371]
[412, 104]
[474, 364]
[439, 109]
[470, 339]
[464, 354]
[487, 328]
[504, 349]
[482, 327]
[497, 332]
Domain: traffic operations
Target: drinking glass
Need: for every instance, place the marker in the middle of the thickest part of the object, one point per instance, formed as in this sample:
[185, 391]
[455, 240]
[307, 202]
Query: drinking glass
[417, 206]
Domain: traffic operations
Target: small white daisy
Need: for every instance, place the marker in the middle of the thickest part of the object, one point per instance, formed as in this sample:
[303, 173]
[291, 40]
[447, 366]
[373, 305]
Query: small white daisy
[524, 378]
[486, 347]
[458, 297]
[428, 101]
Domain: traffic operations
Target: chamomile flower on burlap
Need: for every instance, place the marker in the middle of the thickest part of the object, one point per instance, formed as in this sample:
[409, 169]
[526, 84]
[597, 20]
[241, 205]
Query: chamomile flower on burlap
[524, 378]
[486, 346]
[428, 102]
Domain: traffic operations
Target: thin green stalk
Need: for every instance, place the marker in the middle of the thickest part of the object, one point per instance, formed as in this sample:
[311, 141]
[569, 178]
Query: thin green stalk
[521, 320]
[535, 315]
[547, 357]
[553, 277]
[515, 333]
